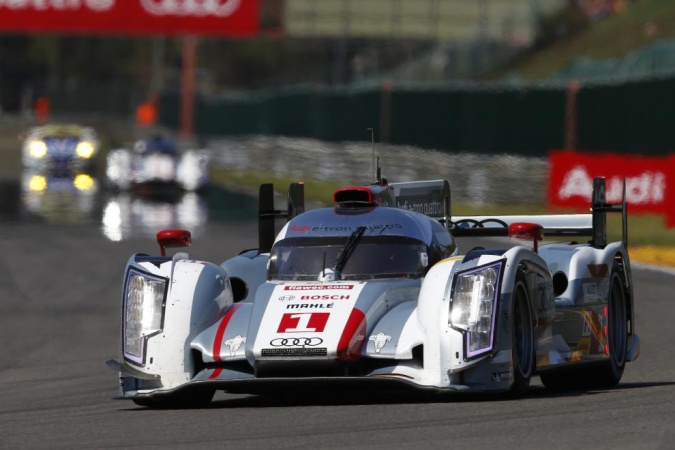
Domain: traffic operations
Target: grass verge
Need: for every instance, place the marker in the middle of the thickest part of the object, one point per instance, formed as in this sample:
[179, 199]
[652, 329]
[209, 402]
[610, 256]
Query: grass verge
[638, 25]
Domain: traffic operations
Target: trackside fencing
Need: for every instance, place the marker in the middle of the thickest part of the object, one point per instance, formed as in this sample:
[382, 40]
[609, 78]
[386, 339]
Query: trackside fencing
[634, 117]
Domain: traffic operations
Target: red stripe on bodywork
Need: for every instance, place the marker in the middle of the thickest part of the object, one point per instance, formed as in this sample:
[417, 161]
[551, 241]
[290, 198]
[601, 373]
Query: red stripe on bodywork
[353, 337]
[218, 341]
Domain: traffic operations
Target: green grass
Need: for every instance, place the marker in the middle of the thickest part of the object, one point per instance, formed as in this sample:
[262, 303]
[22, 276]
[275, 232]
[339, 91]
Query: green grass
[611, 38]
[643, 229]
[316, 192]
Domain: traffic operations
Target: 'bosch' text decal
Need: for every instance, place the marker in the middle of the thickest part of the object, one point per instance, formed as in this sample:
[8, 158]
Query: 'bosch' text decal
[325, 297]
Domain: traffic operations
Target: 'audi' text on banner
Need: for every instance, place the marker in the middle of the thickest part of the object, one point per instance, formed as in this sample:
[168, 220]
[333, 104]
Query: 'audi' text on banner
[650, 181]
[131, 17]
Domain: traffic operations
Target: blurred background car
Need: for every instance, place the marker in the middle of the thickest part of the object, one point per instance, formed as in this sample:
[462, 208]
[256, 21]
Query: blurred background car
[156, 165]
[60, 149]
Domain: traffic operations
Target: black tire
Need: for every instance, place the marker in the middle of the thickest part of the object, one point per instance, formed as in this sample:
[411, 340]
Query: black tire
[606, 374]
[609, 373]
[187, 400]
[522, 341]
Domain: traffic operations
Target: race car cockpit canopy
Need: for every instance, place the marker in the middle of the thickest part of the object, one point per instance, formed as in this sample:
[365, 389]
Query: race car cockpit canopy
[365, 243]
[156, 144]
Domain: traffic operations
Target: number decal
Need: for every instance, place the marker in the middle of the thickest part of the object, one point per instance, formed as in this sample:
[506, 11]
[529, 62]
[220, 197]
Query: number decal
[303, 322]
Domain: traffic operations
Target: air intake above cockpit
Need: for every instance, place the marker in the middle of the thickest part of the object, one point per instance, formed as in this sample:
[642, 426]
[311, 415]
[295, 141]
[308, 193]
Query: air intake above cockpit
[358, 196]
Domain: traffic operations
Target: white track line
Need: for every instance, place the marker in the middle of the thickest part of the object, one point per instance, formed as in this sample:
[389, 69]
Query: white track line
[652, 267]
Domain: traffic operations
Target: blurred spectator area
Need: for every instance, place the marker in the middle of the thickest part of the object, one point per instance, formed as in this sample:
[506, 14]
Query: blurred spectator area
[355, 43]
[599, 9]
[439, 20]
[465, 38]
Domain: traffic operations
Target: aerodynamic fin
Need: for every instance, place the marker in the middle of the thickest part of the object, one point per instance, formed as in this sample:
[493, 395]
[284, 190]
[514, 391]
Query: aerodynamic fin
[431, 198]
[600, 208]
[267, 214]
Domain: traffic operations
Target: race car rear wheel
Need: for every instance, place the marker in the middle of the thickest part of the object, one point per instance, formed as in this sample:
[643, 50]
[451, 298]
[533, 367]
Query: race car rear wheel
[610, 372]
[605, 374]
[522, 340]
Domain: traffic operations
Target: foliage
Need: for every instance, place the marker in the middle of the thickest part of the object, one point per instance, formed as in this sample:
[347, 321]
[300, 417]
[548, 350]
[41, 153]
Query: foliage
[641, 23]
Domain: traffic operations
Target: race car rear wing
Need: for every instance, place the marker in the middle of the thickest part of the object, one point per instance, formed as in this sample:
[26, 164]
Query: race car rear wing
[267, 215]
[433, 199]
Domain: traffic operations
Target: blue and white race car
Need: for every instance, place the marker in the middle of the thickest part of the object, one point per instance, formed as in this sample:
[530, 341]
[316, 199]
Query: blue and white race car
[375, 293]
[59, 149]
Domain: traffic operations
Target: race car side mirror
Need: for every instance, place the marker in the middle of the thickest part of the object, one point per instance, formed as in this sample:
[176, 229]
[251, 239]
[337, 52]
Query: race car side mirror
[173, 238]
[527, 232]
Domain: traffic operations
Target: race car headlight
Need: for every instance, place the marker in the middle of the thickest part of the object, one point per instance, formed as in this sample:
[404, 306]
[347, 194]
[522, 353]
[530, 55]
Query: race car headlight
[143, 312]
[474, 306]
[85, 149]
[37, 183]
[37, 149]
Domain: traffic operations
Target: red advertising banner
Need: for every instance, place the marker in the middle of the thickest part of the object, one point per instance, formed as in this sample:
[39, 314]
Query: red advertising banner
[650, 181]
[131, 17]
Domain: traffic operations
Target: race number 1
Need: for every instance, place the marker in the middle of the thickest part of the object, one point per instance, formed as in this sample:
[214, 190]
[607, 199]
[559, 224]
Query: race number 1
[303, 322]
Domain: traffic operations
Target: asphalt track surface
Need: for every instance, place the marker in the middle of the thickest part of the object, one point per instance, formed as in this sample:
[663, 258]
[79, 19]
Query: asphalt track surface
[59, 306]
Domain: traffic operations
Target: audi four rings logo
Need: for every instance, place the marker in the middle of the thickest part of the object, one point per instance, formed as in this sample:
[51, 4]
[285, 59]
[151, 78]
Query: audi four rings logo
[220, 8]
[287, 298]
[296, 342]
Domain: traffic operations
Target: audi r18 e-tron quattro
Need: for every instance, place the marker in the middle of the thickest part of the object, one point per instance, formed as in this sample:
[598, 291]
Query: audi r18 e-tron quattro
[375, 293]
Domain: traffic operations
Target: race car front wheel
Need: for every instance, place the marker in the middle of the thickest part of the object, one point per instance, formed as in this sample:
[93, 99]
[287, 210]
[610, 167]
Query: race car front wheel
[522, 340]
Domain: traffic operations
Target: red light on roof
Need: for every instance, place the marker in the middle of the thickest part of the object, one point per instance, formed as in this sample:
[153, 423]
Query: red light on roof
[172, 239]
[527, 231]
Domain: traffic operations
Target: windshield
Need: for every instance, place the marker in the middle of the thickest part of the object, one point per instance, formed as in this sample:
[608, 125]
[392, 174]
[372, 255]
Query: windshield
[372, 257]
[156, 145]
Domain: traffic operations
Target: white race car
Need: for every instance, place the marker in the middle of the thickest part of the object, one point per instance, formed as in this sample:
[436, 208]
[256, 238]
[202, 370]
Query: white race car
[156, 165]
[374, 293]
